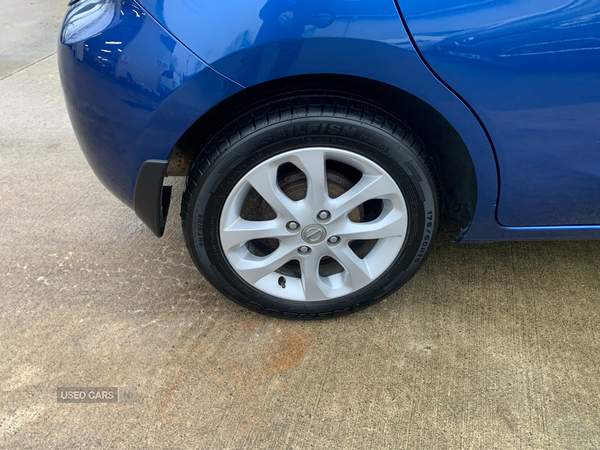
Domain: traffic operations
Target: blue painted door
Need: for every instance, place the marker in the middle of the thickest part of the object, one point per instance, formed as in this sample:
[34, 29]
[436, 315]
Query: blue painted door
[531, 71]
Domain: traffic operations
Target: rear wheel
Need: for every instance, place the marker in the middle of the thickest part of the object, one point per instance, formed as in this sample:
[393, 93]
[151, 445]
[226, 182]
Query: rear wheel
[310, 207]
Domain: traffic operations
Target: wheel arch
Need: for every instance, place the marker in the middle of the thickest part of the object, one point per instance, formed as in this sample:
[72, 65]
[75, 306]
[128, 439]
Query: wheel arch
[440, 138]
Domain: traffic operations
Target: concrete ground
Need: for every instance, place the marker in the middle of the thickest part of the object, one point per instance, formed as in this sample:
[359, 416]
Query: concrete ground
[489, 346]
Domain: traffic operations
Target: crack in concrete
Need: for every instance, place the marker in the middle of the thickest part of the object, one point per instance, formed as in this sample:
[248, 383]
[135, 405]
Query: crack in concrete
[27, 66]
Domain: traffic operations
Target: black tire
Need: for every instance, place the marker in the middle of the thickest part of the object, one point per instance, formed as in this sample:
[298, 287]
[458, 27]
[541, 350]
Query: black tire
[302, 122]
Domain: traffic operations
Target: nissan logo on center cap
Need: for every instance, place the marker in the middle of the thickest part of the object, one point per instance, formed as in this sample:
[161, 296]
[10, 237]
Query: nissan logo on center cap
[313, 234]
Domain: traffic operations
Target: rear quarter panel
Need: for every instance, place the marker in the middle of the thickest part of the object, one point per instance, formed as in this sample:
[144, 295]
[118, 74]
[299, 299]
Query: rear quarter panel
[250, 44]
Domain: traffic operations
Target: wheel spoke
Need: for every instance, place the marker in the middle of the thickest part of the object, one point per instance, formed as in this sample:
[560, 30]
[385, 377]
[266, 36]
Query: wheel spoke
[392, 224]
[311, 280]
[242, 231]
[368, 188]
[265, 183]
[252, 268]
[358, 274]
[313, 166]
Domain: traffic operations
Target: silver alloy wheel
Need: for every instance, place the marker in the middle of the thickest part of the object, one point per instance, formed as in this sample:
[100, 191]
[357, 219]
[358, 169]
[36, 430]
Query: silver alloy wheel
[387, 231]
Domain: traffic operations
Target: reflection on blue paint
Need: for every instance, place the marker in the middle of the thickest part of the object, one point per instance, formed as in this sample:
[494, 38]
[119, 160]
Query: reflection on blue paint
[118, 53]
[86, 19]
[130, 89]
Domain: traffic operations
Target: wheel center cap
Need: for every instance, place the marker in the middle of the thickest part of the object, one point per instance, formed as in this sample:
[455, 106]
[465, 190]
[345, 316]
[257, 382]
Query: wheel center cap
[313, 234]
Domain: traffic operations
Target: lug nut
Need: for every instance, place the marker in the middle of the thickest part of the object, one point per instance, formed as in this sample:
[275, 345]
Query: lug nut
[304, 249]
[293, 225]
[334, 239]
[323, 215]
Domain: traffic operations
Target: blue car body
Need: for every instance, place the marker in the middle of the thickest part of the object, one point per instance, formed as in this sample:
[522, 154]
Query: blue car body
[511, 85]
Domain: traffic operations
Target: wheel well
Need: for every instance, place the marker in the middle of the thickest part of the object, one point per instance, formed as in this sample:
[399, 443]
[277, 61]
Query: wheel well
[441, 140]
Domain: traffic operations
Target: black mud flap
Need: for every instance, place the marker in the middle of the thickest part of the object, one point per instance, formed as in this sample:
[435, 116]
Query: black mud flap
[150, 198]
